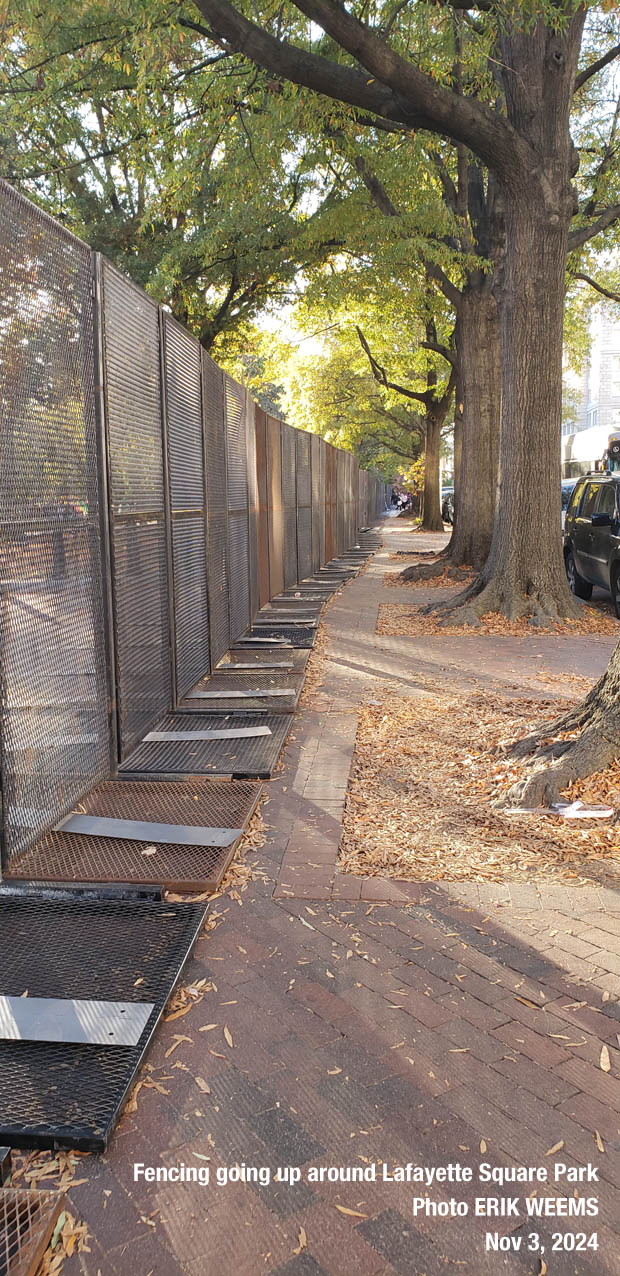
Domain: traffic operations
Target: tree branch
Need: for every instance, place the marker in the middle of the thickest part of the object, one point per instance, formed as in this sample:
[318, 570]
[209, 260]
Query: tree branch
[597, 66]
[444, 351]
[397, 90]
[577, 238]
[605, 292]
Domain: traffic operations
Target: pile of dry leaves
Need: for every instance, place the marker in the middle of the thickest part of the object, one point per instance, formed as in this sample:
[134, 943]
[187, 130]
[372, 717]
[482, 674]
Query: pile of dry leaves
[424, 777]
[399, 620]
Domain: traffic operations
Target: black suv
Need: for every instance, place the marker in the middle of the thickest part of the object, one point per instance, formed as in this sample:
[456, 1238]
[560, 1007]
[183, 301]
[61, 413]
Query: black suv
[592, 536]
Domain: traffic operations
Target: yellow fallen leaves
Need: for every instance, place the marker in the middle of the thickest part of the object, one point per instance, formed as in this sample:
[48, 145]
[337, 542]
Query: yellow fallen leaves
[599, 1142]
[68, 1238]
[302, 1241]
[203, 1085]
[605, 1060]
[228, 1037]
[557, 1147]
[351, 1213]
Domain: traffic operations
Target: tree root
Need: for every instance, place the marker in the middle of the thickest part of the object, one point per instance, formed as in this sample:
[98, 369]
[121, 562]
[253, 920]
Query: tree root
[592, 751]
[429, 571]
[541, 610]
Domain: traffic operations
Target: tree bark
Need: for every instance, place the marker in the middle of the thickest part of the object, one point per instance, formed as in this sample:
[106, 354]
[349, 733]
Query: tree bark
[524, 573]
[479, 377]
[432, 520]
[594, 743]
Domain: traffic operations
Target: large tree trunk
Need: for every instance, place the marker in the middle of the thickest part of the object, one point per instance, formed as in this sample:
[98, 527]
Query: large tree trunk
[478, 352]
[432, 520]
[476, 437]
[524, 573]
[594, 742]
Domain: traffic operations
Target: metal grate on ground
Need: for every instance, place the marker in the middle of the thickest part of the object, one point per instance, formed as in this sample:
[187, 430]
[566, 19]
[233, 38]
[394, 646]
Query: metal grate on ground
[287, 661]
[244, 757]
[280, 636]
[27, 1222]
[86, 858]
[241, 692]
[55, 1094]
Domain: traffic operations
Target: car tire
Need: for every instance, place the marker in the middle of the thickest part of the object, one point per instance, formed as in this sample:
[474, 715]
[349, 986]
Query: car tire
[578, 585]
[615, 589]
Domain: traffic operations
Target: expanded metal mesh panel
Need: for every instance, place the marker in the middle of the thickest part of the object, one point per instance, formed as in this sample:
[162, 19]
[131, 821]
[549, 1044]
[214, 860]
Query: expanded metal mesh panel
[315, 454]
[304, 505]
[73, 857]
[140, 575]
[238, 561]
[191, 617]
[54, 729]
[255, 658]
[276, 512]
[329, 505]
[217, 507]
[294, 636]
[304, 468]
[304, 542]
[280, 692]
[238, 537]
[289, 501]
[262, 489]
[322, 501]
[27, 1222]
[187, 504]
[245, 756]
[252, 505]
[55, 946]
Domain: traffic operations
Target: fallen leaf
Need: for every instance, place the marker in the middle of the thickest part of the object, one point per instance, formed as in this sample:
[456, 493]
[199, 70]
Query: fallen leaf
[202, 1085]
[483, 1146]
[302, 1241]
[605, 1060]
[228, 1037]
[599, 1142]
[557, 1147]
[351, 1213]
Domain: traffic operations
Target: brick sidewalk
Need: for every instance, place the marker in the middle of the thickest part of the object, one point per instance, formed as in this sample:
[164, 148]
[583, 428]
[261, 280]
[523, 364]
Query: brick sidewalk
[372, 1022]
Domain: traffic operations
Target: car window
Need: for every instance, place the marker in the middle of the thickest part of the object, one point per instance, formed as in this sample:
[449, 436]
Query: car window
[589, 500]
[567, 492]
[606, 503]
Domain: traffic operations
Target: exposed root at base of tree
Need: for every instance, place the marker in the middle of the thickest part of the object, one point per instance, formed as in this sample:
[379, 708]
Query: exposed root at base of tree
[418, 573]
[539, 607]
[590, 752]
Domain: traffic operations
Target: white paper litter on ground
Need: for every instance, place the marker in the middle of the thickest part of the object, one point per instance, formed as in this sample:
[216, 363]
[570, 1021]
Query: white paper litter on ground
[568, 810]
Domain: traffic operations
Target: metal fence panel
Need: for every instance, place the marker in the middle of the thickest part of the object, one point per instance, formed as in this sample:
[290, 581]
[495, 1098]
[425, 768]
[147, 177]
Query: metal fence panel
[182, 374]
[137, 505]
[217, 507]
[252, 504]
[262, 482]
[304, 505]
[238, 538]
[54, 698]
[329, 475]
[289, 502]
[276, 511]
[315, 451]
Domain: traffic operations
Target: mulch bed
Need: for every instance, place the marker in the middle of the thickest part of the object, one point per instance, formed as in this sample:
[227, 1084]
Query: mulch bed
[399, 620]
[424, 776]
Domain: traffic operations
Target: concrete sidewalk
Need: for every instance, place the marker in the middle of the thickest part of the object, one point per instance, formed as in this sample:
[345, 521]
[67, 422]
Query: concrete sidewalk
[375, 1024]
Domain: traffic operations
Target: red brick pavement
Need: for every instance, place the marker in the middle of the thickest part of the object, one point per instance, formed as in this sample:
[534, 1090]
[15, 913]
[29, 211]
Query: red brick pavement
[371, 1023]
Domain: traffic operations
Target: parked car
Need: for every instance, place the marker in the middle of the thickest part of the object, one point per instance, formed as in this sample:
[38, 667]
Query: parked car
[592, 536]
[447, 504]
[567, 488]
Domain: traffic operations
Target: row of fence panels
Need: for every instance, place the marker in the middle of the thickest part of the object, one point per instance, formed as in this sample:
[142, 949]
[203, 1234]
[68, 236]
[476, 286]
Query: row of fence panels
[148, 509]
